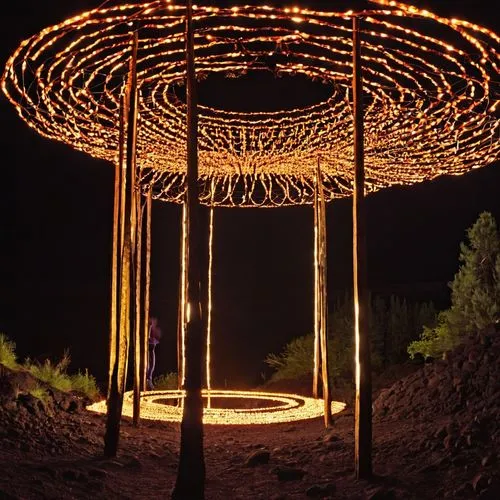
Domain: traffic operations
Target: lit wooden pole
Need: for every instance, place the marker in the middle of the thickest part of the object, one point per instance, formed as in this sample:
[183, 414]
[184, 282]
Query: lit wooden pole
[181, 318]
[116, 249]
[126, 288]
[211, 219]
[323, 299]
[363, 405]
[190, 483]
[147, 291]
[137, 326]
[317, 296]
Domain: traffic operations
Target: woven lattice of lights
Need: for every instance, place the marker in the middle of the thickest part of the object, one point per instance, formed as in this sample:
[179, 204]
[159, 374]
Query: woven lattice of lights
[255, 407]
[430, 87]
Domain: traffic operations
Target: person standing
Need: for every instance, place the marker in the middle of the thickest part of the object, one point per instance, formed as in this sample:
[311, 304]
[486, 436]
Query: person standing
[153, 341]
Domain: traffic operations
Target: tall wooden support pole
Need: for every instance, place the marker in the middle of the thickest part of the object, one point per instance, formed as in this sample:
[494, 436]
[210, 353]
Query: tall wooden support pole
[190, 483]
[137, 326]
[317, 296]
[116, 248]
[323, 300]
[209, 301]
[126, 285]
[181, 319]
[363, 405]
[147, 290]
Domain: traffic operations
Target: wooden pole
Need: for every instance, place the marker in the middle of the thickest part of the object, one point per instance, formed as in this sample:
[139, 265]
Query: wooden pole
[181, 322]
[137, 326]
[126, 288]
[209, 301]
[116, 247]
[190, 483]
[317, 299]
[323, 301]
[363, 405]
[147, 291]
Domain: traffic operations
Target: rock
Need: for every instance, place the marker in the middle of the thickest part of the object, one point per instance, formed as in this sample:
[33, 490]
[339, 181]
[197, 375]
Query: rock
[489, 459]
[97, 473]
[480, 482]
[258, 457]
[72, 475]
[133, 463]
[330, 437]
[380, 493]
[290, 473]
[26, 447]
[321, 491]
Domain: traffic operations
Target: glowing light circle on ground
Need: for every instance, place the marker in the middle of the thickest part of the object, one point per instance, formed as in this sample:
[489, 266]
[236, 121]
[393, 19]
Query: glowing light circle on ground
[280, 408]
[430, 86]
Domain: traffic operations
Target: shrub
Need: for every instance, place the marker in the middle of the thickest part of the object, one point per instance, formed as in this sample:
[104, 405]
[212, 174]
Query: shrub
[85, 384]
[53, 374]
[295, 360]
[39, 393]
[7, 352]
[166, 382]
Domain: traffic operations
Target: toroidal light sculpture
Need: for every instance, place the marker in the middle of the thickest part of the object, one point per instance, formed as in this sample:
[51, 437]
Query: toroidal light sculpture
[162, 405]
[428, 87]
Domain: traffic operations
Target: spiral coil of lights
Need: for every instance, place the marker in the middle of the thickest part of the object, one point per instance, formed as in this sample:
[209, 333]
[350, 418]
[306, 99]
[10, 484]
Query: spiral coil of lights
[429, 85]
[161, 405]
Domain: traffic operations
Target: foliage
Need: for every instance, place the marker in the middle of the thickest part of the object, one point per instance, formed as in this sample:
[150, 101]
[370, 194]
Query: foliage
[167, 381]
[295, 360]
[39, 392]
[85, 384]
[475, 292]
[53, 374]
[393, 323]
[7, 352]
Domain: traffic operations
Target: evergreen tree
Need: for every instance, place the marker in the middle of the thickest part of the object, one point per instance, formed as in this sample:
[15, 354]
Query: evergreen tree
[475, 292]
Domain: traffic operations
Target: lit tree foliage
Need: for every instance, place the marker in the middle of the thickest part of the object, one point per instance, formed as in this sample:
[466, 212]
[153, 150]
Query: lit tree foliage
[475, 292]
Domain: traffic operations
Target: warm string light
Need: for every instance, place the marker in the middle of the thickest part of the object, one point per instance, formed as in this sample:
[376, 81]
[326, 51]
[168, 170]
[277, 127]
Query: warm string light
[162, 405]
[428, 85]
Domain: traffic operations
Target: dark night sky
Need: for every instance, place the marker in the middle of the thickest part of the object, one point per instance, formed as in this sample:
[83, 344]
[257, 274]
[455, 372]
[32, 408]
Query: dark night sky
[56, 216]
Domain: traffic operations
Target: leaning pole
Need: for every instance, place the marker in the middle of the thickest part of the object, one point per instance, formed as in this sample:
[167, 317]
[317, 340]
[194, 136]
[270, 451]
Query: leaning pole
[190, 483]
[363, 405]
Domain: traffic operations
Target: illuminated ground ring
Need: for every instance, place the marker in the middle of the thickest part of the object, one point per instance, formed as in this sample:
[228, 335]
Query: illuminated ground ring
[285, 407]
[430, 100]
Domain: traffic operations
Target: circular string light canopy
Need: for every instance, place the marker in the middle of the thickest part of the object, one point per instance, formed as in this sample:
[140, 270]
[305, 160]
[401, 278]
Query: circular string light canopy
[429, 96]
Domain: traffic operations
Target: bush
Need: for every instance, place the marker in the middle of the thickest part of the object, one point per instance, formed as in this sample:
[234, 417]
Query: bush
[39, 393]
[7, 352]
[85, 384]
[53, 374]
[393, 322]
[295, 361]
[166, 382]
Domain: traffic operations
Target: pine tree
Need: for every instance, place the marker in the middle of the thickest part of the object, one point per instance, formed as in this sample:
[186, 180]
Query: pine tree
[475, 292]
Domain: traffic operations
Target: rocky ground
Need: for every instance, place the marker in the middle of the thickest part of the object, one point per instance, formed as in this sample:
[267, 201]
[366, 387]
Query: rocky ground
[436, 435]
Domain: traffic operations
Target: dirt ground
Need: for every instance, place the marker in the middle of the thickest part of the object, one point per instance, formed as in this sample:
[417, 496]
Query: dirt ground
[436, 434]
